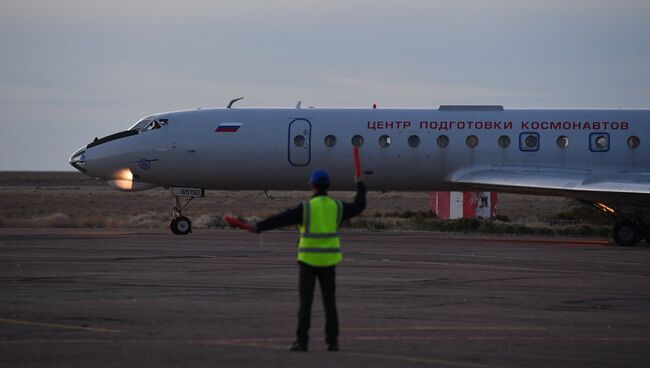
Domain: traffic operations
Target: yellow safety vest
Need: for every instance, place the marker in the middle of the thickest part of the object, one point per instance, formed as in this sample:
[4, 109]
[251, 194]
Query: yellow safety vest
[319, 244]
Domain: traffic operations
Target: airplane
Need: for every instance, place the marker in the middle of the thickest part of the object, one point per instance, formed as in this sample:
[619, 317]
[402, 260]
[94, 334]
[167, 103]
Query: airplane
[597, 156]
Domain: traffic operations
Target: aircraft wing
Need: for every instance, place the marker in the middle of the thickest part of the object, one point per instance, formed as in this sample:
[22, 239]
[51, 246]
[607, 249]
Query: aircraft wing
[627, 188]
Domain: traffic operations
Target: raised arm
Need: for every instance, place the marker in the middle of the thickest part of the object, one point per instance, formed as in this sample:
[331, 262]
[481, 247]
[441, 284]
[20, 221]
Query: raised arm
[355, 208]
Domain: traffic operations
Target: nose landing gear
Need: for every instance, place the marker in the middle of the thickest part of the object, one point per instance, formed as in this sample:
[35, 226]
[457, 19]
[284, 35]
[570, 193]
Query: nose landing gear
[181, 225]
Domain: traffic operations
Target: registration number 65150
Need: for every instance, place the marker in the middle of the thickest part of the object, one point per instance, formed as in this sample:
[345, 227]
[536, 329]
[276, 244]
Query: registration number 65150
[188, 192]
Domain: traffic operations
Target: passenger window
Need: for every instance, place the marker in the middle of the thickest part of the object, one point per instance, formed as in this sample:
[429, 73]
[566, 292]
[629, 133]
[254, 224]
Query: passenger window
[471, 141]
[562, 141]
[384, 141]
[599, 142]
[633, 142]
[529, 141]
[442, 141]
[504, 141]
[357, 141]
[330, 141]
[299, 141]
[414, 141]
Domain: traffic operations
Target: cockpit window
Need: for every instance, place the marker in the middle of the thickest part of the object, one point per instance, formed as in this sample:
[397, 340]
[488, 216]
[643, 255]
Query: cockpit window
[153, 125]
[149, 123]
[141, 124]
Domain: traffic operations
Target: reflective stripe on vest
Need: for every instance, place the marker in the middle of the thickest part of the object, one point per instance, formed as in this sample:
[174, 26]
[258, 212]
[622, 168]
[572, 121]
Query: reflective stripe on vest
[319, 239]
[320, 250]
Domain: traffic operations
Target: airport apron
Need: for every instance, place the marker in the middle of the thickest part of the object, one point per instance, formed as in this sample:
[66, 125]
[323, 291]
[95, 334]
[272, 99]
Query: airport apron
[319, 244]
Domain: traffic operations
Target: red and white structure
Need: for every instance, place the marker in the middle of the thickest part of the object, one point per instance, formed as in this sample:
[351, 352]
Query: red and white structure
[455, 205]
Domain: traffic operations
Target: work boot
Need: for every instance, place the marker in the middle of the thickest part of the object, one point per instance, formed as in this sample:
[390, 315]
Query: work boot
[333, 347]
[297, 346]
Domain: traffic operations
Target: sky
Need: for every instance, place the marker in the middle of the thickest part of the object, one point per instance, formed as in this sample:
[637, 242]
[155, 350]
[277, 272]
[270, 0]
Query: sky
[71, 70]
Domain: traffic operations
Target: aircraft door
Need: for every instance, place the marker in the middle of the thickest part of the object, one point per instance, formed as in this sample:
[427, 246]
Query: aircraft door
[299, 142]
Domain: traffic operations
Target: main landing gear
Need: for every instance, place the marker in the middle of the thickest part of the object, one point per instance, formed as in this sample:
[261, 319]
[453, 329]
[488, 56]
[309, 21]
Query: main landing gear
[632, 226]
[628, 233]
[181, 225]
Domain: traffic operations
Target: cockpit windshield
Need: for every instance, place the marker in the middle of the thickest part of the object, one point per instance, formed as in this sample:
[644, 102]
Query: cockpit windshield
[149, 123]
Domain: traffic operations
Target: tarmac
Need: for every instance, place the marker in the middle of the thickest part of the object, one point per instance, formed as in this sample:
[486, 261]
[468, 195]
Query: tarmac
[227, 298]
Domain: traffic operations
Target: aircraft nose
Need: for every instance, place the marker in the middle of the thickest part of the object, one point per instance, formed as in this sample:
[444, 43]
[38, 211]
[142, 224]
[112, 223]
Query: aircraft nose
[78, 160]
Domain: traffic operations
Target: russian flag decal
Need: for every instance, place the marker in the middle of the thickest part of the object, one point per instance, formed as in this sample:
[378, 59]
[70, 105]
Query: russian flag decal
[228, 127]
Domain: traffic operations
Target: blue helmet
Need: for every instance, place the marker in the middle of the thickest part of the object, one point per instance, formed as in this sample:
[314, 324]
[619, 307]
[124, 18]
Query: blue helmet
[319, 178]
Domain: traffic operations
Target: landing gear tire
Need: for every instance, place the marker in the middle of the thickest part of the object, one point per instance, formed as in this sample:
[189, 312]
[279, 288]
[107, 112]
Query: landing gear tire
[181, 226]
[627, 233]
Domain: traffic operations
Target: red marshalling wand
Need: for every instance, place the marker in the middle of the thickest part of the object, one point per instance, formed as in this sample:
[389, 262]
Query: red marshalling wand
[357, 162]
[236, 223]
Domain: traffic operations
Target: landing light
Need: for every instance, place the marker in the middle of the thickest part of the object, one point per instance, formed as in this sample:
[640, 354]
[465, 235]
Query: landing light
[605, 208]
[123, 179]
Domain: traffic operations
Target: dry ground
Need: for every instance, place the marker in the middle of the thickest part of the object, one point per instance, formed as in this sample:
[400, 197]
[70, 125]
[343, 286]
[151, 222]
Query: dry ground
[70, 199]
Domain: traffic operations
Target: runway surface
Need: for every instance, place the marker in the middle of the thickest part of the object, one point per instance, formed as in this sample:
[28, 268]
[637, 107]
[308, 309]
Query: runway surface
[107, 298]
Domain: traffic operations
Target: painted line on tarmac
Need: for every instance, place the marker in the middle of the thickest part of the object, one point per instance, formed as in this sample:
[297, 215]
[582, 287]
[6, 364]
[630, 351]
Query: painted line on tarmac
[539, 240]
[447, 328]
[513, 239]
[400, 358]
[499, 338]
[272, 343]
[58, 326]
[241, 344]
[397, 358]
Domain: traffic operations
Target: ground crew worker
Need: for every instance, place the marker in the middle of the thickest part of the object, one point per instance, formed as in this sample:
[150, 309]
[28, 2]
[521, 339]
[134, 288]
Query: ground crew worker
[318, 252]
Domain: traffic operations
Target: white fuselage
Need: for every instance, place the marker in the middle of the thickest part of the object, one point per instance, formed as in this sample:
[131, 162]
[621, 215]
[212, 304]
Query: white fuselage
[258, 149]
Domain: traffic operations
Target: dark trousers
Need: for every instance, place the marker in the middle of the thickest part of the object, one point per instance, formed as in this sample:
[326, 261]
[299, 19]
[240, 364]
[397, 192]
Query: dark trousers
[327, 280]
